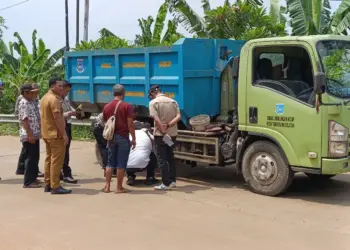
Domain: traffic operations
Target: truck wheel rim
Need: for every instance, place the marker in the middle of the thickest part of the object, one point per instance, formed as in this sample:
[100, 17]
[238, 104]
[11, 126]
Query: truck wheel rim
[264, 168]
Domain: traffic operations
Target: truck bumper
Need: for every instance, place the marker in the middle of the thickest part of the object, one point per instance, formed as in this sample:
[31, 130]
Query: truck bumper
[335, 166]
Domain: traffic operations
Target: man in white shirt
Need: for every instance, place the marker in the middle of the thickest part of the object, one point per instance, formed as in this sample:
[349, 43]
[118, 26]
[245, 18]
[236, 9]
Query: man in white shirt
[142, 156]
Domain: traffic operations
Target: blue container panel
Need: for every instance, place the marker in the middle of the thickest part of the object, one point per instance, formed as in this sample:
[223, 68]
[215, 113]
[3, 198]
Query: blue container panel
[80, 92]
[104, 69]
[201, 96]
[78, 69]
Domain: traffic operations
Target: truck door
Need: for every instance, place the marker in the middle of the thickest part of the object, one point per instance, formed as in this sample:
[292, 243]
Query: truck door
[280, 103]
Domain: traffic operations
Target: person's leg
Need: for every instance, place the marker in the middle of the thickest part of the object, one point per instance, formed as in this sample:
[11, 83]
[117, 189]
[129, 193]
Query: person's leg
[47, 167]
[161, 153]
[31, 164]
[57, 158]
[172, 167]
[21, 164]
[67, 171]
[123, 151]
[131, 175]
[152, 165]
[112, 163]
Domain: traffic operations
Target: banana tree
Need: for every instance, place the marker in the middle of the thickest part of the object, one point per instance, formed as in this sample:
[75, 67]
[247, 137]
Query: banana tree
[37, 66]
[311, 17]
[154, 38]
[194, 23]
[2, 26]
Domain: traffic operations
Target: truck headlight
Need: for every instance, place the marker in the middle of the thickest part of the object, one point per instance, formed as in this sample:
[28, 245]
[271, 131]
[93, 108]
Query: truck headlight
[338, 140]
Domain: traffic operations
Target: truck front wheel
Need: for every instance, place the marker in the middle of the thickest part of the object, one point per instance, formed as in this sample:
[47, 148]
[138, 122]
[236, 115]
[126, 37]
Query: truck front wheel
[265, 170]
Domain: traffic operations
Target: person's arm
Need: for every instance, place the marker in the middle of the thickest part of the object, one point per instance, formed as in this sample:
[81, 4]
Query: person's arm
[55, 106]
[23, 114]
[154, 115]
[71, 111]
[177, 117]
[131, 126]
[19, 98]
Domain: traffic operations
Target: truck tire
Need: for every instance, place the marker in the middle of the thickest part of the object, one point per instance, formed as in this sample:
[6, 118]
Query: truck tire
[265, 169]
[98, 155]
[319, 177]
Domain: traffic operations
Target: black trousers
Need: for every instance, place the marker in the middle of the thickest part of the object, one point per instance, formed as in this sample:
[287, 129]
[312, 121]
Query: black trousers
[152, 165]
[21, 161]
[165, 158]
[67, 171]
[31, 162]
[101, 142]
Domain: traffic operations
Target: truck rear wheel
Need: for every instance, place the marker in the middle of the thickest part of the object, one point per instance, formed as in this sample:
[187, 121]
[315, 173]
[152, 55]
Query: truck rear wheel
[265, 169]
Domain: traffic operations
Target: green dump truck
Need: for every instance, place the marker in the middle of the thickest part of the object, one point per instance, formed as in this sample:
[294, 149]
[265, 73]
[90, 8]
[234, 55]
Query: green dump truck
[277, 106]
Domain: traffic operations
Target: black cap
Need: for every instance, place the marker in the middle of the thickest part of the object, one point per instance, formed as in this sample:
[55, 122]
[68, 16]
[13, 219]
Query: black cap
[153, 89]
[66, 83]
[29, 87]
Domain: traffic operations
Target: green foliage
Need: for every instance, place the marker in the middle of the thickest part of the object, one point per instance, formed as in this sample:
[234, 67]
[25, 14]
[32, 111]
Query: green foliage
[79, 133]
[17, 69]
[107, 40]
[242, 20]
[312, 17]
[153, 38]
[336, 64]
[2, 26]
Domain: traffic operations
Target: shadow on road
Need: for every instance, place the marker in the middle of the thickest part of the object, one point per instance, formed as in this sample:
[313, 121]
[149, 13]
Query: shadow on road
[335, 191]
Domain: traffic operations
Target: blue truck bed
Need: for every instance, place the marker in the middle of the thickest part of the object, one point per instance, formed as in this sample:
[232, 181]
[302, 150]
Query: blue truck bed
[188, 71]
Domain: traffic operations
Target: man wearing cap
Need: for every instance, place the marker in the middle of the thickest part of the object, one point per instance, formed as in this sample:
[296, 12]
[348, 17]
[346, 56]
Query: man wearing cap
[166, 114]
[20, 165]
[29, 120]
[68, 112]
[55, 137]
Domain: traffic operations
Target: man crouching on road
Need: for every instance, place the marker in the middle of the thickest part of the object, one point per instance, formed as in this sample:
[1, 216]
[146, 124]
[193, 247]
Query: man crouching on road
[140, 158]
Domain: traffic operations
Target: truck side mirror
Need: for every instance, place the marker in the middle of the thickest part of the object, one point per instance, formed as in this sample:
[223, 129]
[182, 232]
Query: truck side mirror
[319, 83]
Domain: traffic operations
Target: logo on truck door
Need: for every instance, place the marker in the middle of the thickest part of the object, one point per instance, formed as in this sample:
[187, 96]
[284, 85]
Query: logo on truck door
[279, 108]
[80, 65]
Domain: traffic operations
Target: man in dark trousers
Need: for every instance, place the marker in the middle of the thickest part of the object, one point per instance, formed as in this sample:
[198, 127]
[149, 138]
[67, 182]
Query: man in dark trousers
[166, 114]
[29, 120]
[68, 112]
[22, 156]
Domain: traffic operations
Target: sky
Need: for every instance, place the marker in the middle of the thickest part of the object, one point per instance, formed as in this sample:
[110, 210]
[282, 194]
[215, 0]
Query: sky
[48, 17]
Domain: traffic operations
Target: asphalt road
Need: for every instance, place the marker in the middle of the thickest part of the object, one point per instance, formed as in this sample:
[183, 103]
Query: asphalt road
[211, 209]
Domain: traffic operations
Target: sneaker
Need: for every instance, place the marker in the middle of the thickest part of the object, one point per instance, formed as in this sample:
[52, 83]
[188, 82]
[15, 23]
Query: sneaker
[47, 189]
[61, 190]
[161, 187]
[20, 172]
[33, 185]
[151, 181]
[70, 180]
[173, 184]
[130, 181]
[40, 175]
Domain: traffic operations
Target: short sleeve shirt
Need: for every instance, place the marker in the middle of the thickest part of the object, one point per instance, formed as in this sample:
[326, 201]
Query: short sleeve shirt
[28, 110]
[50, 104]
[124, 112]
[166, 110]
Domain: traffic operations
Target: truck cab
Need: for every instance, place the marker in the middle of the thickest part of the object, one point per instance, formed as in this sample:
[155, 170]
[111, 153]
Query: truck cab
[293, 107]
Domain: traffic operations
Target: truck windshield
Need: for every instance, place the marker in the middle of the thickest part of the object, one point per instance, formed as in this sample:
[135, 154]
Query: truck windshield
[335, 58]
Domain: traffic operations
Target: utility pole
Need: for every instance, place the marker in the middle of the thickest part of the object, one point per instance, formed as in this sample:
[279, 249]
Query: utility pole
[77, 24]
[86, 21]
[67, 26]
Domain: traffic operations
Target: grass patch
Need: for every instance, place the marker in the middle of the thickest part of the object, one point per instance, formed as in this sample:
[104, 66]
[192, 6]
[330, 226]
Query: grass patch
[79, 133]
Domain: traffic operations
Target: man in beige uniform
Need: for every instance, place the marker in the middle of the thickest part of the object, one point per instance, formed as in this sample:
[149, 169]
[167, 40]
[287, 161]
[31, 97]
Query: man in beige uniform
[166, 114]
[55, 137]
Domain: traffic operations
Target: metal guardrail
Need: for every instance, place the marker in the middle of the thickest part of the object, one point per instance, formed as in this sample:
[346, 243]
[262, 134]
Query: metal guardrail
[12, 119]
